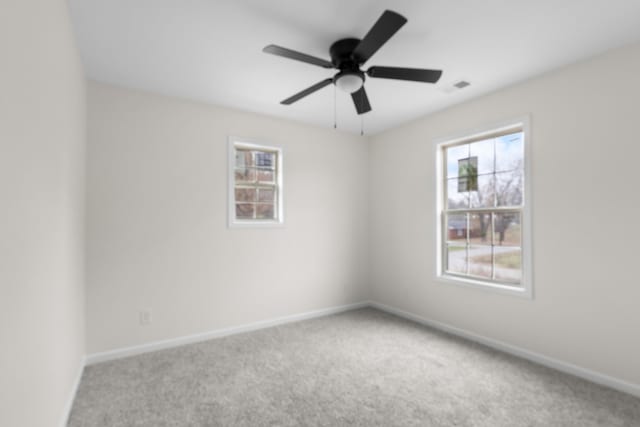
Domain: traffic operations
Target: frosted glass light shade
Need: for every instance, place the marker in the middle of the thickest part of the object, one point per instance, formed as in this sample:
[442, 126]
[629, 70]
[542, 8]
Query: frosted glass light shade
[349, 82]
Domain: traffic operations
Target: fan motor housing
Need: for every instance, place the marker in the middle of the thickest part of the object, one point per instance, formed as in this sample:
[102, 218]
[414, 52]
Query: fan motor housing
[342, 54]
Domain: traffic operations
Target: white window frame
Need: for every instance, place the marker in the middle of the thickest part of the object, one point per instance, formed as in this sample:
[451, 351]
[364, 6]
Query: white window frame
[525, 289]
[233, 142]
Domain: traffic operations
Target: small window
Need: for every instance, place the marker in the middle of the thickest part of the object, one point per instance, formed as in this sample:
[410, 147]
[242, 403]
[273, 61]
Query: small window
[484, 210]
[255, 184]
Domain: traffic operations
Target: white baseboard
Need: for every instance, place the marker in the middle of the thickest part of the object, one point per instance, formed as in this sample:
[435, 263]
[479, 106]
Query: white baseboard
[587, 374]
[72, 395]
[189, 339]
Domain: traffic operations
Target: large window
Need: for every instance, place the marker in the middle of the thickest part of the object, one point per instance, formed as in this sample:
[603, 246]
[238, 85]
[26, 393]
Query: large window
[255, 184]
[484, 232]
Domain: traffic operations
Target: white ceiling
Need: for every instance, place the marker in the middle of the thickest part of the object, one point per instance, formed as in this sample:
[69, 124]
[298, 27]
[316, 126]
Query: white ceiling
[211, 50]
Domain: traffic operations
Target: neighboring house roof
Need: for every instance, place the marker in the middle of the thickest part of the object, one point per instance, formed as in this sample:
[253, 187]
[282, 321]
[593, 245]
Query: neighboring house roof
[457, 224]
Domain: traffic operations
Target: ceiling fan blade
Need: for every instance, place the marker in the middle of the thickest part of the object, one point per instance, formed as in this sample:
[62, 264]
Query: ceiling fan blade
[298, 56]
[413, 74]
[379, 34]
[307, 91]
[361, 101]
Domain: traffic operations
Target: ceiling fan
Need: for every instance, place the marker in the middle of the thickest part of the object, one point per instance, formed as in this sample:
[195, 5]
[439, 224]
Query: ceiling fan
[347, 55]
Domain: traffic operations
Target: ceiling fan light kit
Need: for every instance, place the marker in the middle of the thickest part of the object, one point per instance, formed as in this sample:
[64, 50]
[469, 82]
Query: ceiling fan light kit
[348, 55]
[349, 81]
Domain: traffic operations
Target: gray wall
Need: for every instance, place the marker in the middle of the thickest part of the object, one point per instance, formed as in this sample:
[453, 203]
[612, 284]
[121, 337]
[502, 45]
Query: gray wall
[42, 119]
[585, 242]
[157, 225]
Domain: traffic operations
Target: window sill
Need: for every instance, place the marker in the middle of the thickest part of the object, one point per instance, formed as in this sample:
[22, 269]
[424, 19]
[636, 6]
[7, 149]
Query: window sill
[256, 224]
[519, 291]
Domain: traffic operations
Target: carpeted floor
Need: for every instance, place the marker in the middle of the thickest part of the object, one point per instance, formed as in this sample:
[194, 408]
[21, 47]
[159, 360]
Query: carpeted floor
[360, 368]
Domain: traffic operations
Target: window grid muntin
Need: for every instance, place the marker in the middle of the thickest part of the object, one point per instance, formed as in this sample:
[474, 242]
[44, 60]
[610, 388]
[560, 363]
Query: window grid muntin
[491, 243]
[519, 209]
[257, 152]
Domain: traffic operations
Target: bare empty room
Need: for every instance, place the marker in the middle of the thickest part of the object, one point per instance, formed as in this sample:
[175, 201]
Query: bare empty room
[305, 213]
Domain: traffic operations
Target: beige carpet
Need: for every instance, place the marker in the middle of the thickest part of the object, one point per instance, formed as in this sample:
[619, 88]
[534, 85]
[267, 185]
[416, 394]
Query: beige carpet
[360, 368]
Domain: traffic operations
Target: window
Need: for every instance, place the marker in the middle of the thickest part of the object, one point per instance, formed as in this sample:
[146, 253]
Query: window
[255, 184]
[484, 237]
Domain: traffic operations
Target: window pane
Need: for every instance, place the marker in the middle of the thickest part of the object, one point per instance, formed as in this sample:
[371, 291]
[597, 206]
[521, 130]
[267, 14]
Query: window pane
[454, 154]
[266, 195]
[484, 196]
[483, 240]
[457, 259]
[266, 176]
[457, 228]
[510, 152]
[509, 188]
[256, 175]
[265, 211]
[246, 194]
[480, 261]
[244, 211]
[480, 228]
[245, 175]
[456, 199]
[265, 159]
[508, 263]
[482, 151]
[507, 230]
[243, 159]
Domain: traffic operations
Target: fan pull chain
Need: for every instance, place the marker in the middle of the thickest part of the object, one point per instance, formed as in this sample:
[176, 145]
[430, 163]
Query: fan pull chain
[361, 124]
[335, 114]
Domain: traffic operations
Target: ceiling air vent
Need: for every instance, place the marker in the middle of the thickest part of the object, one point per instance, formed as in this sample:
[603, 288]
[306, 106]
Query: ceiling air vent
[455, 86]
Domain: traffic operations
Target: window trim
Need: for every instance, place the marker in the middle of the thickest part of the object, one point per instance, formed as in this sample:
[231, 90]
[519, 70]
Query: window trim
[525, 290]
[232, 222]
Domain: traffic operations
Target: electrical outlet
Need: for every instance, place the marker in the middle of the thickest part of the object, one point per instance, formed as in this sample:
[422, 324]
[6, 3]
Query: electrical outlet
[145, 316]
